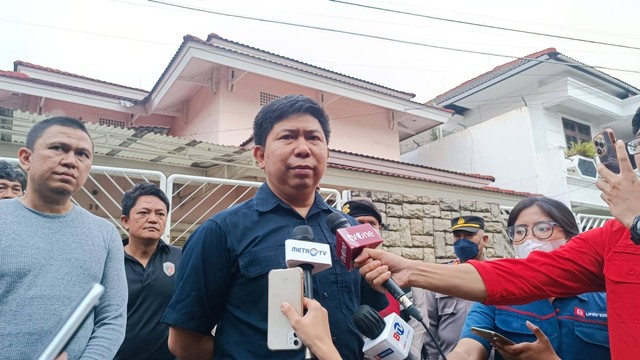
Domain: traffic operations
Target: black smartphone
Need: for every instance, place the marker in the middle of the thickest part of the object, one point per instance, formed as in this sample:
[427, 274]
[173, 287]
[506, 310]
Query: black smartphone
[492, 335]
[604, 143]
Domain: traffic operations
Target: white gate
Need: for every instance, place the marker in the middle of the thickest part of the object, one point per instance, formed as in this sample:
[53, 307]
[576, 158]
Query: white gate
[192, 199]
[196, 198]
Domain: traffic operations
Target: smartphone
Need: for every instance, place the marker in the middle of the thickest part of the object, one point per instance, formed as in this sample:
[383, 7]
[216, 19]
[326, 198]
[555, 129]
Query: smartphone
[284, 285]
[491, 335]
[604, 143]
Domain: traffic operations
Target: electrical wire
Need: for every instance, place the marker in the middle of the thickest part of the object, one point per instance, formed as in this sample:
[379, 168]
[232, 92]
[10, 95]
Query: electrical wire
[486, 26]
[245, 17]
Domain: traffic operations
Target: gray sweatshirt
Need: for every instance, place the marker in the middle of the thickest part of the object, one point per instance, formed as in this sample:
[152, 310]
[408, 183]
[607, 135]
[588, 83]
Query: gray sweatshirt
[47, 262]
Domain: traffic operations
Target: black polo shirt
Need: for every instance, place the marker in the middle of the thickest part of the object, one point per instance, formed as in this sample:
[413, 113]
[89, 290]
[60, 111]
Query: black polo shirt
[150, 290]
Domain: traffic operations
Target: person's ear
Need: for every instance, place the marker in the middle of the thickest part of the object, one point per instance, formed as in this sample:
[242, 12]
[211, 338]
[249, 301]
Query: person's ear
[258, 155]
[125, 221]
[24, 156]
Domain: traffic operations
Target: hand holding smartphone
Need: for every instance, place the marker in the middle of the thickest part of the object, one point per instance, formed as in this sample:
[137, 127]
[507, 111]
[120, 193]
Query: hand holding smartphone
[604, 143]
[285, 285]
[491, 335]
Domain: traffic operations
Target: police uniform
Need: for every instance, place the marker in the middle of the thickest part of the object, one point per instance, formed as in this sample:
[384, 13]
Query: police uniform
[150, 289]
[445, 314]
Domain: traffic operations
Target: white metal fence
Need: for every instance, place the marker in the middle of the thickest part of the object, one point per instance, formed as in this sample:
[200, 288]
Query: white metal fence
[193, 199]
[585, 221]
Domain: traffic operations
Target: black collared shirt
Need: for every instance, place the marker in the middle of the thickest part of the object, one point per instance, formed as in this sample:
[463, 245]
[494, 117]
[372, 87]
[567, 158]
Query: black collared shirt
[224, 279]
[150, 290]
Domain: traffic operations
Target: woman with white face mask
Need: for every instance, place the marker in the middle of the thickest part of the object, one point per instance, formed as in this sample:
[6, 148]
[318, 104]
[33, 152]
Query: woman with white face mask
[566, 328]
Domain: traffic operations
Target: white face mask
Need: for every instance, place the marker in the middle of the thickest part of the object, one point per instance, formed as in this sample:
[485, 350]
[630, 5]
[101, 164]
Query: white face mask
[523, 250]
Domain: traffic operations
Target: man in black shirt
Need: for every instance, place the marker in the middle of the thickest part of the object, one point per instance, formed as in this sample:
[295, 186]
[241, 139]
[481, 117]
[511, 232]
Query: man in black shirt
[150, 264]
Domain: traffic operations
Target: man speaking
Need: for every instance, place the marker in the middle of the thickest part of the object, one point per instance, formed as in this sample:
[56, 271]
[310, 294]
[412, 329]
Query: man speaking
[222, 279]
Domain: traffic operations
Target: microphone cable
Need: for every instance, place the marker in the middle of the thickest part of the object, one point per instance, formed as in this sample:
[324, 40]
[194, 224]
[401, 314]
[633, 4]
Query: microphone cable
[418, 317]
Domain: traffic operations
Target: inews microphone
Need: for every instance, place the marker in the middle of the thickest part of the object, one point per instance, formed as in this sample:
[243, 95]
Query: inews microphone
[310, 256]
[389, 338]
[350, 240]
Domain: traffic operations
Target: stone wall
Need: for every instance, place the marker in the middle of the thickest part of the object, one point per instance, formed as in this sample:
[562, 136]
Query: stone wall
[416, 226]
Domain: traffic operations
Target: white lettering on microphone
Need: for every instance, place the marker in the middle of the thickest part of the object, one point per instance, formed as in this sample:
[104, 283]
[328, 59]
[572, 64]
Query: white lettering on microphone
[361, 235]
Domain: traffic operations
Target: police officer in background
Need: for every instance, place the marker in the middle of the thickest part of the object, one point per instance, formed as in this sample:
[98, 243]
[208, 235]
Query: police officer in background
[150, 264]
[446, 314]
[365, 212]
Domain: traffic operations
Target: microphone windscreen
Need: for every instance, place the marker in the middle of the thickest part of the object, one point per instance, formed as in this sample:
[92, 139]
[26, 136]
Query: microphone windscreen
[303, 232]
[336, 221]
[368, 321]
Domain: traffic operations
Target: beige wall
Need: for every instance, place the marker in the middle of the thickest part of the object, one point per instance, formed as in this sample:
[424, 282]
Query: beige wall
[227, 117]
[417, 225]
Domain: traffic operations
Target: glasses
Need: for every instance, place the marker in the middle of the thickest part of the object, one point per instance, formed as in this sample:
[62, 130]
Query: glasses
[633, 146]
[542, 230]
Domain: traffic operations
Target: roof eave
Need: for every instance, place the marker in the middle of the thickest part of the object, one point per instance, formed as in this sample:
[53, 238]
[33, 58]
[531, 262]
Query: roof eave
[27, 87]
[191, 48]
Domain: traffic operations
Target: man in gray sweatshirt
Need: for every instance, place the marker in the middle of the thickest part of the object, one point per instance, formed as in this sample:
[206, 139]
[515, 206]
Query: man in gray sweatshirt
[51, 251]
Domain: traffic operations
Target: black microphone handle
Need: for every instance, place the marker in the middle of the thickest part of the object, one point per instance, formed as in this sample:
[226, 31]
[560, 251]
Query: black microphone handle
[397, 293]
[308, 280]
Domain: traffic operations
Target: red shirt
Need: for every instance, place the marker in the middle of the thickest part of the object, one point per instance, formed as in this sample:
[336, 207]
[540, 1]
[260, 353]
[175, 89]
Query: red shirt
[597, 260]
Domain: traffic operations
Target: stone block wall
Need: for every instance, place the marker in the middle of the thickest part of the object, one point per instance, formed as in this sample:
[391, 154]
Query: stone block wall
[417, 225]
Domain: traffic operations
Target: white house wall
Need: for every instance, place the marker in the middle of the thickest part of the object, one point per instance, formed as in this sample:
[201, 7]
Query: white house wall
[549, 144]
[502, 146]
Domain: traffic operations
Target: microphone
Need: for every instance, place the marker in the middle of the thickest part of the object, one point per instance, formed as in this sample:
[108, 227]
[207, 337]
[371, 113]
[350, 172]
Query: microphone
[389, 338]
[310, 256]
[351, 240]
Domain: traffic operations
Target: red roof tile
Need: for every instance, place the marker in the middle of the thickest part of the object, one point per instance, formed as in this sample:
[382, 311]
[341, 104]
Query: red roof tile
[477, 176]
[385, 173]
[13, 74]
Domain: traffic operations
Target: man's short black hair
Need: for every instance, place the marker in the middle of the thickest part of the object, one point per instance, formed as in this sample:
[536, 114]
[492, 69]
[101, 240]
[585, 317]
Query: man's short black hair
[142, 189]
[39, 128]
[284, 107]
[13, 174]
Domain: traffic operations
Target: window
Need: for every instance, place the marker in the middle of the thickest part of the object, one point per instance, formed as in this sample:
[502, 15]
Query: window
[6, 123]
[575, 132]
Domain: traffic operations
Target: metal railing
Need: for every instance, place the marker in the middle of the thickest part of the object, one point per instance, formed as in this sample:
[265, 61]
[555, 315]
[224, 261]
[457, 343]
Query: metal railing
[192, 199]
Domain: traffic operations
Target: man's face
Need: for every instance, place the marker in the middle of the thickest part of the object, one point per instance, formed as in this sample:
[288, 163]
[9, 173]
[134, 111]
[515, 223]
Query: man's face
[368, 219]
[59, 163]
[478, 237]
[294, 157]
[9, 189]
[146, 220]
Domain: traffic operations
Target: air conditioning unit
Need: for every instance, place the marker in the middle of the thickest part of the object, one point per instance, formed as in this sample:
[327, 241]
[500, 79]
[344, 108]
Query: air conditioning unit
[583, 167]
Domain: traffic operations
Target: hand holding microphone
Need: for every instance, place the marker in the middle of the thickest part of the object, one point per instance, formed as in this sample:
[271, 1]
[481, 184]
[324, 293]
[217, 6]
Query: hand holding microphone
[370, 261]
[351, 241]
[310, 256]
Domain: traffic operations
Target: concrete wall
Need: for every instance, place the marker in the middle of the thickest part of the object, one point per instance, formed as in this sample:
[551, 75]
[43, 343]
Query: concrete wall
[417, 225]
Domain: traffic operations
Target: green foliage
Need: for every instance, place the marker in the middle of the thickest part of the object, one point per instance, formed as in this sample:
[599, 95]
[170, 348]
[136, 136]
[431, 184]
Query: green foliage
[434, 134]
[583, 148]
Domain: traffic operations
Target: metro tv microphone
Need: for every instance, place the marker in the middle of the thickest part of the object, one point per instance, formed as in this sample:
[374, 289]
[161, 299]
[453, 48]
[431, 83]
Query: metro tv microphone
[388, 339]
[350, 240]
[310, 256]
